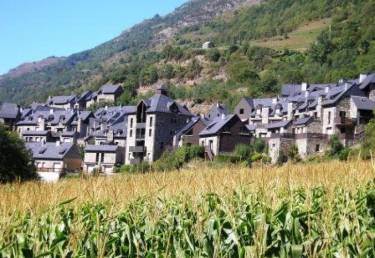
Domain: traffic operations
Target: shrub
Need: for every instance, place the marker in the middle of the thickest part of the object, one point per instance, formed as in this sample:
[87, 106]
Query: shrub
[260, 145]
[15, 160]
[283, 158]
[227, 159]
[335, 146]
[293, 154]
[243, 151]
[368, 145]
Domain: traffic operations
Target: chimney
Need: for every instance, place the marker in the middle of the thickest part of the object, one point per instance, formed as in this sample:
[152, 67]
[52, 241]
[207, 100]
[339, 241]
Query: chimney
[346, 86]
[106, 108]
[223, 116]
[51, 111]
[326, 89]
[307, 94]
[162, 90]
[274, 100]
[290, 110]
[58, 143]
[362, 77]
[304, 86]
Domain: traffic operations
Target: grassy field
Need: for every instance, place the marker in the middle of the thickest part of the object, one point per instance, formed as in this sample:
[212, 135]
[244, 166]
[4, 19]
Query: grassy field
[299, 39]
[315, 210]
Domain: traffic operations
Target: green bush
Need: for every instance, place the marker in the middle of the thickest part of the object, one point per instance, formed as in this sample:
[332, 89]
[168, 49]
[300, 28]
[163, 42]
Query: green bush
[227, 159]
[15, 160]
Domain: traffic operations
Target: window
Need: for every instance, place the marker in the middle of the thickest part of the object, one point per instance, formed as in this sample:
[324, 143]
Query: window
[317, 148]
[97, 157]
[329, 117]
[149, 132]
[131, 122]
[242, 111]
[102, 158]
[161, 145]
[315, 114]
[131, 133]
[151, 120]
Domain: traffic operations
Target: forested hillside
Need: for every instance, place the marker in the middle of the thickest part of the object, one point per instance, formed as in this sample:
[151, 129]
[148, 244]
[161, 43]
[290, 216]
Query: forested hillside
[257, 48]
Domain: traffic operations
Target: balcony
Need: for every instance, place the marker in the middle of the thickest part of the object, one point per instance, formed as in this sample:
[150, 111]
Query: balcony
[137, 149]
[141, 125]
[344, 122]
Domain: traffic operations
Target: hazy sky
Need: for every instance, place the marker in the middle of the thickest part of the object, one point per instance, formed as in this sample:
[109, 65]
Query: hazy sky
[34, 29]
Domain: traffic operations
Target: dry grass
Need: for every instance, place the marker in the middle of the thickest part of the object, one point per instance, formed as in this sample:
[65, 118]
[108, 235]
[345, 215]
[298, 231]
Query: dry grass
[194, 181]
[299, 40]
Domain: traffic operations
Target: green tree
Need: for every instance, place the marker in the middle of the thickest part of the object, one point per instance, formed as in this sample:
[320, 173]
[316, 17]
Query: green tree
[15, 160]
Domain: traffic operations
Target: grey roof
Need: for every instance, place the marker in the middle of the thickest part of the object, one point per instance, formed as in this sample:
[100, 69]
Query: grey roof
[191, 124]
[290, 89]
[265, 102]
[101, 148]
[370, 79]
[217, 110]
[302, 121]
[278, 124]
[363, 103]
[49, 151]
[35, 133]
[216, 125]
[85, 96]
[53, 116]
[9, 110]
[61, 100]
[69, 134]
[110, 89]
[251, 127]
[164, 104]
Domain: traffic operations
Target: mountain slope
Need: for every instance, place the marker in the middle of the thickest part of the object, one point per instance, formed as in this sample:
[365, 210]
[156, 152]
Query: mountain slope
[258, 47]
[80, 69]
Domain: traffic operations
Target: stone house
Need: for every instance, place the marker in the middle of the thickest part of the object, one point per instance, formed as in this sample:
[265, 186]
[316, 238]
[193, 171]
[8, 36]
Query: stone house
[151, 128]
[189, 134]
[109, 93]
[102, 158]
[223, 134]
[53, 160]
[10, 113]
[217, 110]
[64, 102]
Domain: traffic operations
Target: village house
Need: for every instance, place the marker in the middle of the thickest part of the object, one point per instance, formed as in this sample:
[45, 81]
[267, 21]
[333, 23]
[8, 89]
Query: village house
[151, 128]
[109, 93]
[10, 113]
[102, 158]
[53, 160]
[189, 134]
[308, 115]
[64, 102]
[223, 134]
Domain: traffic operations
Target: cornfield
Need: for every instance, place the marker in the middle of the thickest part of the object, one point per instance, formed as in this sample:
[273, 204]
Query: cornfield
[315, 210]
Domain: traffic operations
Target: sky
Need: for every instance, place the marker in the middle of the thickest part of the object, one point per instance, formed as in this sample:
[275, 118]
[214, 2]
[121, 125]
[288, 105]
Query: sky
[35, 29]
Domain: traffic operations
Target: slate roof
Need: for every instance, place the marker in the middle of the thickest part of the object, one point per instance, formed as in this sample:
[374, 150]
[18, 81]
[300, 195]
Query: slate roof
[191, 124]
[163, 104]
[51, 115]
[370, 79]
[216, 125]
[9, 110]
[35, 133]
[110, 89]
[278, 124]
[302, 121]
[61, 100]
[101, 148]
[217, 110]
[363, 103]
[49, 151]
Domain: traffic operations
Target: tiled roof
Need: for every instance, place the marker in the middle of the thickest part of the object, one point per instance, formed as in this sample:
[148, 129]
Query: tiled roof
[49, 151]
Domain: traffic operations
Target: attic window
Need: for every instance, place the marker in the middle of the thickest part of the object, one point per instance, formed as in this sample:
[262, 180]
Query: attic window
[42, 151]
[242, 111]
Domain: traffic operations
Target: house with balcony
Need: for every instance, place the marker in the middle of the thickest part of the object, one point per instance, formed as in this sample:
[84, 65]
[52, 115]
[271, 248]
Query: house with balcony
[102, 158]
[152, 127]
[53, 160]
